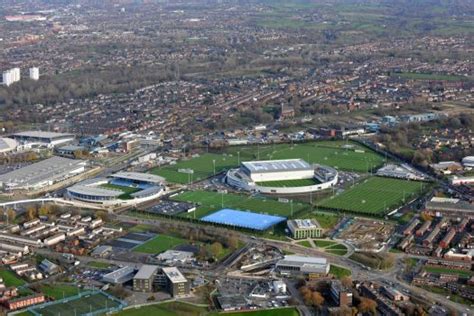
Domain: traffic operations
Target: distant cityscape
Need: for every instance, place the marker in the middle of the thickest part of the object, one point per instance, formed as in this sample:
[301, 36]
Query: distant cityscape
[223, 157]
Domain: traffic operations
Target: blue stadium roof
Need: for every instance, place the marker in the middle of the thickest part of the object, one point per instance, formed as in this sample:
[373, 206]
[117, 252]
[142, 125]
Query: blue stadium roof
[243, 219]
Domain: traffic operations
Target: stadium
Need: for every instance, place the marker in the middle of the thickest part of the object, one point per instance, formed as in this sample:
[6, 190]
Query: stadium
[122, 188]
[288, 176]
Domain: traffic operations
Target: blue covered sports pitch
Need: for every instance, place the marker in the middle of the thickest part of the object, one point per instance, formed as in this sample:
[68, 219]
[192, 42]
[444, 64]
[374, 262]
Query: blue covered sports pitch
[243, 219]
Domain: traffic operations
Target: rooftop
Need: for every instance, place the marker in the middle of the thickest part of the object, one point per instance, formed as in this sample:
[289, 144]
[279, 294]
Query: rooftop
[93, 190]
[40, 134]
[146, 271]
[302, 260]
[277, 165]
[174, 275]
[41, 171]
[305, 223]
[138, 176]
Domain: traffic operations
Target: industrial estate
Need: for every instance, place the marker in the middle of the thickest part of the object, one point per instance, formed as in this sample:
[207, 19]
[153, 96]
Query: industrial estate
[240, 158]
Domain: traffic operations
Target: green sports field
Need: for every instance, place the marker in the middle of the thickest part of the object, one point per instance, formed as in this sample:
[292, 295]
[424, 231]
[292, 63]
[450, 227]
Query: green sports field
[338, 154]
[288, 183]
[127, 191]
[202, 166]
[59, 291]
[213, 201]
[10, 278]
[374, 196]
[79, 306]
[166, 309]
[159, 244]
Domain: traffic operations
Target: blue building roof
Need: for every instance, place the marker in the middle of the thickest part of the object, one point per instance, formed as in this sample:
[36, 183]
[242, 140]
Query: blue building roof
[243, 219]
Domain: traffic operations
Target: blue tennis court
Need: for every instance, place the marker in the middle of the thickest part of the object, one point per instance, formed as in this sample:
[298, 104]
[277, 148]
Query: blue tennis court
[243, 219]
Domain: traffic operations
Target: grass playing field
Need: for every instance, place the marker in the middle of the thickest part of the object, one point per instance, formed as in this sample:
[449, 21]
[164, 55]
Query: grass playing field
[288, 183]
[59, 291]
[212, 201]
[202, 166]
[374, 196]
[79, 306]
[166, 309]
[10, 279]
[339, 154]
[159, 244]
[127, 191]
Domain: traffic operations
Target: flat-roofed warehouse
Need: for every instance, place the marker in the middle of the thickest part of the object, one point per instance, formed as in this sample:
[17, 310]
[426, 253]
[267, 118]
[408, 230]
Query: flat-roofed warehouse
[293, 264]
[41, 174]
[49, 139]
[270, 170]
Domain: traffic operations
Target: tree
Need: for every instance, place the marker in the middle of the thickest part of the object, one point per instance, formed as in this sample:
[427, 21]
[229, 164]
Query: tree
[216, 249]
[367, 306]
[233, 242]
[306, 294]
[11, 214]
[317, 299]
[347, 281]
[31, 212]
[102, 215]
[426, 217]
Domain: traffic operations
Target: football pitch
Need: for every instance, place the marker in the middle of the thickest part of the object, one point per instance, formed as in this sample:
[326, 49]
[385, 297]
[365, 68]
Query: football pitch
[375, 196]
[159, 244]
[89, 303]
[338, 154]
[213, 201]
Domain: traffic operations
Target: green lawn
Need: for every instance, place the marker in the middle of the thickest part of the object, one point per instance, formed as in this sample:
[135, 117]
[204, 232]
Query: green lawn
[325, 219]
[337, 252]
[127, 191]
[159, 244]
[213, 201]
[83, 305]
[338, 154]
[288, 311]
[166, 309]
[304, 243]
[339, 272]
[461, 273]
[202, 166]
[332, 153]
[10, 278]
[98, 265]
[59, 291]
[288, 183]
[323, 243]
[374, 196]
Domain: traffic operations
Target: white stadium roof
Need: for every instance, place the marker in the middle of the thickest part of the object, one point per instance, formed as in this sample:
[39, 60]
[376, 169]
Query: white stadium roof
[94, 191]
[138, 176]
[263, 166]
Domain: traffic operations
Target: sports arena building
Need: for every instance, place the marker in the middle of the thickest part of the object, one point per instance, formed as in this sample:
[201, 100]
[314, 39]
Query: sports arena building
[289, 176]
[122, 188]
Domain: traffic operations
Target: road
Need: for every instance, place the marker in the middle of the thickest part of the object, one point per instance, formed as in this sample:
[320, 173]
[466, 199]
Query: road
[358, 271]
